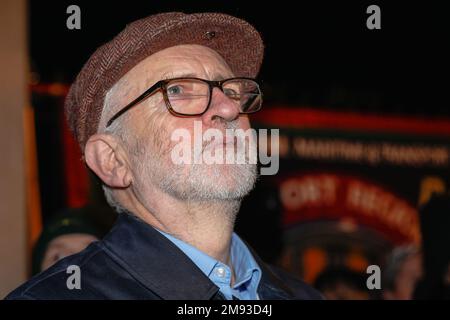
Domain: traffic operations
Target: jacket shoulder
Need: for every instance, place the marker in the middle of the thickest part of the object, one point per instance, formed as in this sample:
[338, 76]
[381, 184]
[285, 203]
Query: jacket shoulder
[300, 289]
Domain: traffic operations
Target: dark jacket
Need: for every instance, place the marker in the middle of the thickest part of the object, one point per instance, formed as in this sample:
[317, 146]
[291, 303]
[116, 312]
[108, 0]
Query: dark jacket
[134, 261]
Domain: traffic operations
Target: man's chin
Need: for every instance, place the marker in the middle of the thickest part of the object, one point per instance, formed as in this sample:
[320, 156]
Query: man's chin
[208, 182]
[225, 181]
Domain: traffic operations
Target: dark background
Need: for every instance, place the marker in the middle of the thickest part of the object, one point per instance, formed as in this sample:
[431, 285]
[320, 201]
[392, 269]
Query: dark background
[318, 53]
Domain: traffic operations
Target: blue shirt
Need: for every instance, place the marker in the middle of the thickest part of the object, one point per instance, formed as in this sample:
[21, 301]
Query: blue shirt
[246, 270]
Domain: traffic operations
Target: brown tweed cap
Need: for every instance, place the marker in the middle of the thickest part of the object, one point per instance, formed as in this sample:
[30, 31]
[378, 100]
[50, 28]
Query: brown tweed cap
[234, 39]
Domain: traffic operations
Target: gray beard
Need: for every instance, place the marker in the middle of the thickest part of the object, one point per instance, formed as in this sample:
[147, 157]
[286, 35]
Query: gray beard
[213, 182]
[194, 182]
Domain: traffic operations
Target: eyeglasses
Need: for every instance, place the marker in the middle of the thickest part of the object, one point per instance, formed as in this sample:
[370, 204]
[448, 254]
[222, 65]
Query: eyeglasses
[189, 97]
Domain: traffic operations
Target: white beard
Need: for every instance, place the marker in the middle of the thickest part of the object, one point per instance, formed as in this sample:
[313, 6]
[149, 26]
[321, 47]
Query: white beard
[193, 182]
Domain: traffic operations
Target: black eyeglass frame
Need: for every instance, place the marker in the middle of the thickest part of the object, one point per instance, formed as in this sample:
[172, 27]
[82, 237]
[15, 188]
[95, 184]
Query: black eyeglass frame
[162, 85]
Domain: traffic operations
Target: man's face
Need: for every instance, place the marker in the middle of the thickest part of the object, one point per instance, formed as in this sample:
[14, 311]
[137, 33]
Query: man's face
[149, 128]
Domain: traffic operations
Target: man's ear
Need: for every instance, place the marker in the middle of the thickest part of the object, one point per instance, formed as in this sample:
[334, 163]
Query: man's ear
[106, 157]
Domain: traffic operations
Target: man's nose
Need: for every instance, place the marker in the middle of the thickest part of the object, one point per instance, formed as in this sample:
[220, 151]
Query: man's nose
[221, 108]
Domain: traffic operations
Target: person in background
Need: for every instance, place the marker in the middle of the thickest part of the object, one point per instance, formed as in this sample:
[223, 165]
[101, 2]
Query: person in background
[340, 283]
[67, 233]
[435, 226]
[401, 273]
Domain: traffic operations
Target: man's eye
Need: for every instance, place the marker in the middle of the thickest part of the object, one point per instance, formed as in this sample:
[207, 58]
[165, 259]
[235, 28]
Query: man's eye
[231, 93]
[174, 90]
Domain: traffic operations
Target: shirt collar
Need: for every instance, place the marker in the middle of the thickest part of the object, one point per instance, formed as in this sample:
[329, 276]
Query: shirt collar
[244, 264]
[247, 271]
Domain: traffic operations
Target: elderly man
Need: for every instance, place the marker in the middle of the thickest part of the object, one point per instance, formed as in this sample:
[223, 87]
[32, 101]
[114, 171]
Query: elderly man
[174, 236]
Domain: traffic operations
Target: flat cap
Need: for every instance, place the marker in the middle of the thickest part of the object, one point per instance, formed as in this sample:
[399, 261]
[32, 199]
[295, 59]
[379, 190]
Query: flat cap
[234, 39]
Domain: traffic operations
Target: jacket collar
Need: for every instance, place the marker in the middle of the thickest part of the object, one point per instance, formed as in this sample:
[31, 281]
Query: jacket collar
[155, 261]
[271, 287]
[164, 269]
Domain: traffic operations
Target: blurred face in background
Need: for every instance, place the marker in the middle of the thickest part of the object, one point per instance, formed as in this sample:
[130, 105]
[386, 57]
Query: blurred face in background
[65, 245]
[407, 277]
